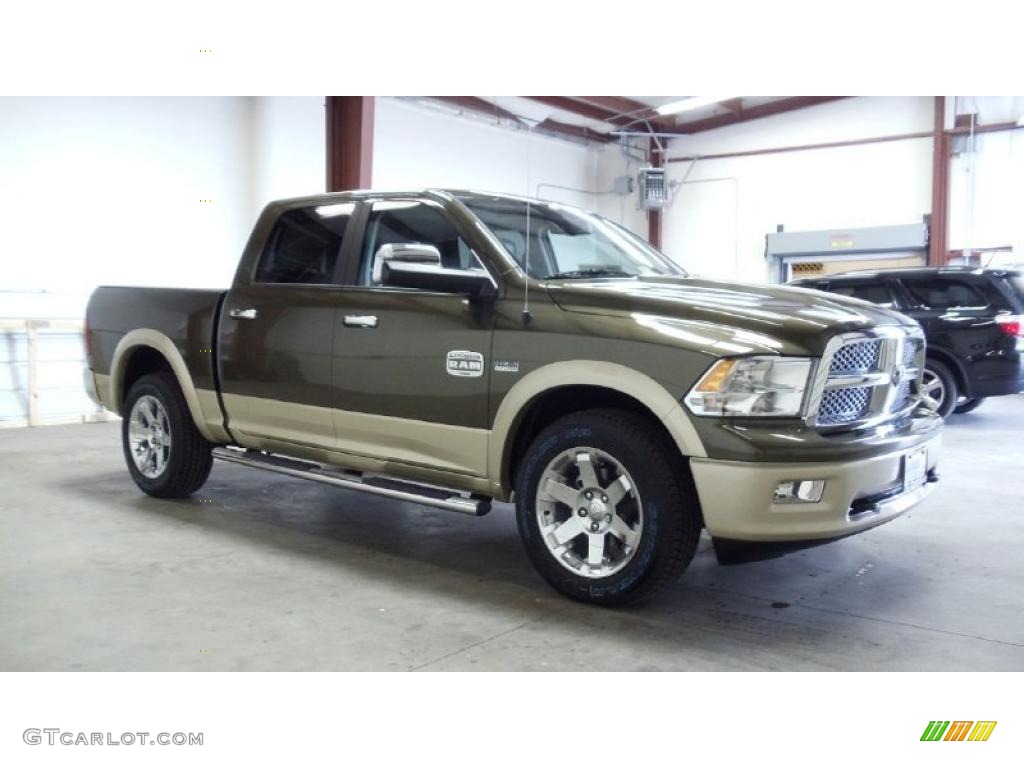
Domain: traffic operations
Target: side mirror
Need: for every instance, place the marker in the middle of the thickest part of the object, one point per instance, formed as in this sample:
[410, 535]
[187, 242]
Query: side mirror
[410, 253]
[428, 277]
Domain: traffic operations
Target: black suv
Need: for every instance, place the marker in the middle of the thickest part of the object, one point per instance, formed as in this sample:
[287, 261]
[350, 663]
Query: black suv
[973, 320]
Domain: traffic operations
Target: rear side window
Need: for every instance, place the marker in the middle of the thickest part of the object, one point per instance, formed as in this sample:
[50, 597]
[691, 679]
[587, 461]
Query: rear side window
[1016, 285]
[876, 293]
[304, 244]
[939, 293]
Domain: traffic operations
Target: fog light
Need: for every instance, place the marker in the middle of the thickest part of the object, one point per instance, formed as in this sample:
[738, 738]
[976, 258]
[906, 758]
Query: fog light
[799, 492]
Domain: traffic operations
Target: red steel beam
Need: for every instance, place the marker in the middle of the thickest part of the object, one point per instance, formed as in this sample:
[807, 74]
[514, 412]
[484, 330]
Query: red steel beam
[349, 134]
[939, 227]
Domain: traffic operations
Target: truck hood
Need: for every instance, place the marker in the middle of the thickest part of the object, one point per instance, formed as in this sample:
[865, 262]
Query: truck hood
[787, 319]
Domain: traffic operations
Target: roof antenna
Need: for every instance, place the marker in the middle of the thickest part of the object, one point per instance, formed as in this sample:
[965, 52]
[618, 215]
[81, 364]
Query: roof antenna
[527, 317]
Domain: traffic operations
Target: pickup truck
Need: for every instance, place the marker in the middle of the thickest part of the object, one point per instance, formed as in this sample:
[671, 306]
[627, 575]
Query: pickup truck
[451, 348]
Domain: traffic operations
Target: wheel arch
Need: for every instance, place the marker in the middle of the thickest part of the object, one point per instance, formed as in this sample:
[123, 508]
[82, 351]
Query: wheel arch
[950, 360]
[158, 352]
[566, 387]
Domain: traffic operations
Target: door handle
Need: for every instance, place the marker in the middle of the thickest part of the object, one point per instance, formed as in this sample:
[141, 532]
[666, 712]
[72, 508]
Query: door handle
[243, 314]
[361, 321]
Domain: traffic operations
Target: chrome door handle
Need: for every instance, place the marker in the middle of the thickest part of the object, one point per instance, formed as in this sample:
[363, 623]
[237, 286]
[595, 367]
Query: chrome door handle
[243, 314]
[361, 321]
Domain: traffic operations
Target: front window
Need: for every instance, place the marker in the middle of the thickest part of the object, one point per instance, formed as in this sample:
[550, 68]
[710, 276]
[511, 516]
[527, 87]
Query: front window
[552, 241]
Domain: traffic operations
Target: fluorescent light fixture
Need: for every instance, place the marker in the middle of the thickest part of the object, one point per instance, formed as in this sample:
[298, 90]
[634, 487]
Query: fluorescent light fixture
[690, 103]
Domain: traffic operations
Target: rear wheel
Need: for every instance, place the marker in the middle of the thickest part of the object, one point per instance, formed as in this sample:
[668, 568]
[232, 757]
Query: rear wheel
[165, 454]
[939, 389]
[605, 512]
[968, 404]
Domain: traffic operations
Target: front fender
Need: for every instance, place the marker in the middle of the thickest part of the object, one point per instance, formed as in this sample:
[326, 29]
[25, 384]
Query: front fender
[596, 373]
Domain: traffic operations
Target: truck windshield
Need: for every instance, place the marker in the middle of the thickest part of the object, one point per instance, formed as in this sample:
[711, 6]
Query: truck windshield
[552, 241]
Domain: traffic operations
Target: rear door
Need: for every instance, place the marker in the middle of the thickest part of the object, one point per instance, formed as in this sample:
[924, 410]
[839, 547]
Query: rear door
[411, 367]
[277, 327]
[954, 312]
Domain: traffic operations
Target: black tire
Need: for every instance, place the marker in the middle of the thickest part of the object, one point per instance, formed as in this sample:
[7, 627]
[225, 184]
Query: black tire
[969, 404]
[671, 510]
[950, 391]
[189, 458]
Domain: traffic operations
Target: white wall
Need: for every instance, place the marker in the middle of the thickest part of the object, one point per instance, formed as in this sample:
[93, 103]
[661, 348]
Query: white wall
[986, 184]
[287, 147]
[720, 216]
[417, 146]
[108, 190]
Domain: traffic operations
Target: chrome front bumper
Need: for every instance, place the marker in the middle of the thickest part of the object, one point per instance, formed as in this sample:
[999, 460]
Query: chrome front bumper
[737, 498]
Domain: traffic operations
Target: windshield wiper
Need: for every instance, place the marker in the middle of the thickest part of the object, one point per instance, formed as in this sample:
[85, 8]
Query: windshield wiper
[602, 272]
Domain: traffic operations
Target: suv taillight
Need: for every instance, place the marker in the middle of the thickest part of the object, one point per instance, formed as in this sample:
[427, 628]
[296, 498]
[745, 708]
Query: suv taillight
[1011, 325]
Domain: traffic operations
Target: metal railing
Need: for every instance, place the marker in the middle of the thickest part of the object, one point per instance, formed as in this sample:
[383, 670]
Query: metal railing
[37, 358]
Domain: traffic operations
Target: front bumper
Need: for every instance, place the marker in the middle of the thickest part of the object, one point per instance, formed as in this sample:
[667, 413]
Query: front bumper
[737, 497]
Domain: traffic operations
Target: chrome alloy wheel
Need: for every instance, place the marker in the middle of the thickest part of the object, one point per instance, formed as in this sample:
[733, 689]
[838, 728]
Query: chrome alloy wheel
[933, 391]
[149, 436]
[589, 512]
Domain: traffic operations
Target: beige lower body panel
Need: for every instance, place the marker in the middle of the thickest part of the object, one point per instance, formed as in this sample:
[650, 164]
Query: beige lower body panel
[97, 387]
[348, 435]
[737, 497]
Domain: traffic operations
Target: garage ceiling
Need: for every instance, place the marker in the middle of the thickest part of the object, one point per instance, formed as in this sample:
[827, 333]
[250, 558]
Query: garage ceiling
[600, 118]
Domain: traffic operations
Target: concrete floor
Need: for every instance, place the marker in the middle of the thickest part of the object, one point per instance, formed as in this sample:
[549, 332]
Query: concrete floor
[273, 573]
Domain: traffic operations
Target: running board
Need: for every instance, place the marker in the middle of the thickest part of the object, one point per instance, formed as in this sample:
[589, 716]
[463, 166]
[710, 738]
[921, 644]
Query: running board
[431, 496]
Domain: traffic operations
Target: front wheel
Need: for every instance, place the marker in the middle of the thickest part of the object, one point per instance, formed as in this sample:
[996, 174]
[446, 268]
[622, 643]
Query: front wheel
[166, 455]
[604, 508]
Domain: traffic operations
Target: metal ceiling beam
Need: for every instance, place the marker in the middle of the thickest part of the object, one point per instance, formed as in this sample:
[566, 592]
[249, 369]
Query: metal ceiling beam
[551, 127]
[753, 113]
[478, 105]
[634, 110]
[573, 131]
[569, 104]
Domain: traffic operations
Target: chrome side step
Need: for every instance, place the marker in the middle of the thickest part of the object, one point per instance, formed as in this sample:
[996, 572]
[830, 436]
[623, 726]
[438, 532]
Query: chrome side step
[431, 496]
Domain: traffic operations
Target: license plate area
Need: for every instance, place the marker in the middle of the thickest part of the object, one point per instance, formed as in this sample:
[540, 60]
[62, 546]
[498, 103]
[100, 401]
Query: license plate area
[915, 469]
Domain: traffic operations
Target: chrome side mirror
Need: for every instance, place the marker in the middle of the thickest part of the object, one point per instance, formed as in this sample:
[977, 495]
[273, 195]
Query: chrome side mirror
[409, 253]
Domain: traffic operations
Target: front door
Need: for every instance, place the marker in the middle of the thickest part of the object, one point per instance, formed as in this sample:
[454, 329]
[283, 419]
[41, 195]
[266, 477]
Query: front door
[277, 328]
[411, 367]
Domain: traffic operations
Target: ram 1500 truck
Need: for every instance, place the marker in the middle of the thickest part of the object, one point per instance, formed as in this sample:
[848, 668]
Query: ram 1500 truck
[453, 348]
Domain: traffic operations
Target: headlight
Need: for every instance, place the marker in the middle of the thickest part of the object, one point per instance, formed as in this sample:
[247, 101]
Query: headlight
[752, 386]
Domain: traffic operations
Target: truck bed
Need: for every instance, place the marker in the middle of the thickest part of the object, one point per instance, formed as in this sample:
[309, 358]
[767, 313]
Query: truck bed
[187, 316]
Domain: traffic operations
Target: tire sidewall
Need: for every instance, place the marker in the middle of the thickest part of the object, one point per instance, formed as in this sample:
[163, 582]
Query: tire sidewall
[156, 386]
[657, 502]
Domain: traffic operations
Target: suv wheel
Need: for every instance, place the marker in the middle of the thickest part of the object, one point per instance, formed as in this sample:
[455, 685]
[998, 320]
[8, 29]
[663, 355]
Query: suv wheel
[939, 390]
[968, 404]
[166, 455]
[604, 510]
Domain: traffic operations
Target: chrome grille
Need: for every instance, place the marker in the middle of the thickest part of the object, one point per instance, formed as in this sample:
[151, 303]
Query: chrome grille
[858, 357]
[841, 406]
[868, 376]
